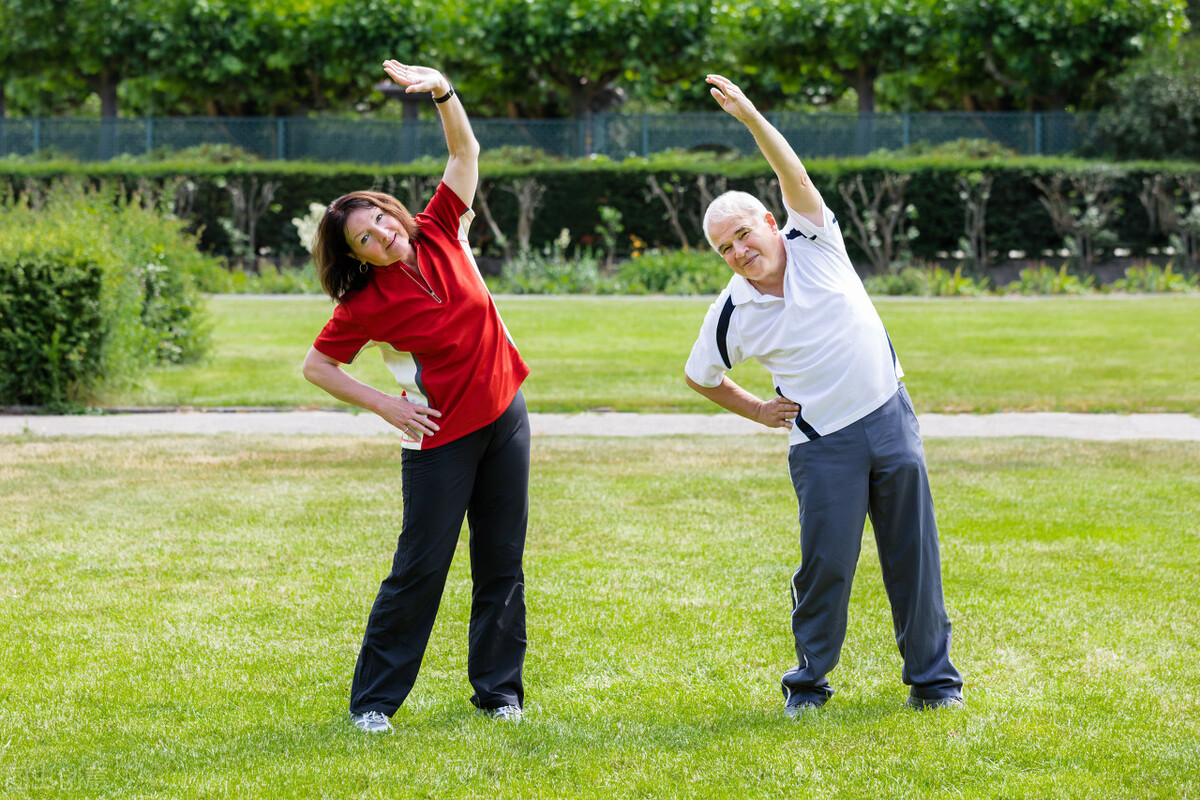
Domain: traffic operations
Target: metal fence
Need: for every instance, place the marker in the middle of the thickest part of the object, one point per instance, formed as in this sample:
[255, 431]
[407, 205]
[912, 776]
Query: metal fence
[617, 136]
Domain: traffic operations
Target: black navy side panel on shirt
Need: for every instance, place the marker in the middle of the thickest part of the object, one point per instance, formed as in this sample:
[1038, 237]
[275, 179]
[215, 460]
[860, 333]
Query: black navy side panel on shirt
[723, 331]
[796, 232]
[800, 422]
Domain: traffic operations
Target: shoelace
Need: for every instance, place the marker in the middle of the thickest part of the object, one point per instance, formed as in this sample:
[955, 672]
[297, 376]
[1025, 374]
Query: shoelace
[507, 712]
[373, 718]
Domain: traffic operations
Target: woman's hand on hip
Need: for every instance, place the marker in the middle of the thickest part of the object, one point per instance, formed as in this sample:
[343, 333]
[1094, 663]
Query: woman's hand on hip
[412, 418]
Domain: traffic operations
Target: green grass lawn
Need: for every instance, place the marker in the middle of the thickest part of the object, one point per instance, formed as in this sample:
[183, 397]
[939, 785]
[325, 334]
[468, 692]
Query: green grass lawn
[1054, 354]
[180, 618]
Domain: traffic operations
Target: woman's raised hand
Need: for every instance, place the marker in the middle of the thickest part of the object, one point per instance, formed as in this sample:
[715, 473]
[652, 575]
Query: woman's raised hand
[417, 79]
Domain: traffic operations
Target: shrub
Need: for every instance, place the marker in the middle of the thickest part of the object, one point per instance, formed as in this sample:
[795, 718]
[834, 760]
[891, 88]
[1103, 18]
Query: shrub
[578, 192]
[1041, 279]
[910, 281]
[931, 281]
[1150, 278]
[147, 308]
[680, 272]
[550, 271]
[51, 331]
[1155, 108]
[268, 280]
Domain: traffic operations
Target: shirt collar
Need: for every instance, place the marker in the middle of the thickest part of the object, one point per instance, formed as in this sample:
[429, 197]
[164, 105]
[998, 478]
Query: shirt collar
[741, 292]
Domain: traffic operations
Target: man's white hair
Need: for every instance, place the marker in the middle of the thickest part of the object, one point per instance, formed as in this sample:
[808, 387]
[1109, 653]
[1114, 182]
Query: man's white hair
[740, 205]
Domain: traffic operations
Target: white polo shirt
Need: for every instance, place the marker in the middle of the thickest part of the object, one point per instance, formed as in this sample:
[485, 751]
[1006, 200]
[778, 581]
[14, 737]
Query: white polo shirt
[823, 341]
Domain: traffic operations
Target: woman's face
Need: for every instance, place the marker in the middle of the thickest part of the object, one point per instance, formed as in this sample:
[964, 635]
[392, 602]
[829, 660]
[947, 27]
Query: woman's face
[377, 238]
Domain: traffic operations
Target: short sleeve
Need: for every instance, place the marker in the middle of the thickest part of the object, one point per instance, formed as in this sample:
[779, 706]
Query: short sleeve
[717, 348]
[447, 210]
[342, 339]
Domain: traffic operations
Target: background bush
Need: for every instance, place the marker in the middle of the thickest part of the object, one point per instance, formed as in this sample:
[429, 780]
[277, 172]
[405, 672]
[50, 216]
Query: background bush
[673, 272]
[1155, 110]
[575, 192]
[51, 330]
[94, 287]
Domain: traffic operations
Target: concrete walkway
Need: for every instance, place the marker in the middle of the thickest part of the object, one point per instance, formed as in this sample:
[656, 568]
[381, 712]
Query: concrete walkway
[1071, 426]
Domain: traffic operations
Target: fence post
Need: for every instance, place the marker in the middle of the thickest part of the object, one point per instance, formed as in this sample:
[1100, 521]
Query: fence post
[865, 138]
[1037, 133]
[907, 129]
[37, 134]
[280, 139]
[645, 136]
[149, 134]
[600, 134]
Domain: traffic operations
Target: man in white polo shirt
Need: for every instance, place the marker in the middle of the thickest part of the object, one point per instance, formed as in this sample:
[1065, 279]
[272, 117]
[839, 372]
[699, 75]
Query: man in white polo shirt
[796, 305]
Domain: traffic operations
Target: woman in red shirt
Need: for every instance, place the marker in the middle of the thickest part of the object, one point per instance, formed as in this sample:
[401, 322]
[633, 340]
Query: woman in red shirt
[410, 286]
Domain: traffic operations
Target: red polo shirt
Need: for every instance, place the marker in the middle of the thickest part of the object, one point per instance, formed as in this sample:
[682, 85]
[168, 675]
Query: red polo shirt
[454, 355]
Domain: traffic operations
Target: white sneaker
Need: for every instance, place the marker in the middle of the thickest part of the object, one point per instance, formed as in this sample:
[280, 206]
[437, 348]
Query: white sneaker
[504, 713]
[371, 722]
[799, 709]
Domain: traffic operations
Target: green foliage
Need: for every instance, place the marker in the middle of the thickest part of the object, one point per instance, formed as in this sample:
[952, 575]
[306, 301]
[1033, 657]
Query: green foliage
[1027, 54]
[1148, 278]
[1041, 279]
[554, 271]
[1155, 108]
[562, 58]
[551, 271]
[576, 192]
[677, 272]
[51, 331]
[267, 279]
[957, 149]
[147, 308]
[928, 281]
[850, 42]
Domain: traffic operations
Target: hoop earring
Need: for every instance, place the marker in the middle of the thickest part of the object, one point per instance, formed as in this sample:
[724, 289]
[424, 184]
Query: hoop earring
[362, 267]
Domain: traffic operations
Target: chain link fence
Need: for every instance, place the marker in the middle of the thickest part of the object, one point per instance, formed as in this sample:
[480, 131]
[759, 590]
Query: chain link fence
[617, 136]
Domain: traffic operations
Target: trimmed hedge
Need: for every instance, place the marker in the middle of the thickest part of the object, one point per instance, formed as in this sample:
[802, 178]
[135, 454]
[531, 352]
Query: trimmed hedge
[51, 330]
[93, 289]
[576, 190]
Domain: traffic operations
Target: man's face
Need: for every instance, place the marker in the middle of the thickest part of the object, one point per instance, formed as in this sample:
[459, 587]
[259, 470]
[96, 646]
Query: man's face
[751, 246]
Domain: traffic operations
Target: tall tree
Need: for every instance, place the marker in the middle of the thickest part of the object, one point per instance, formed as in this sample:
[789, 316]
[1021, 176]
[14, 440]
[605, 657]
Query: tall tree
[556, 58]
[1033, 55]
[854, 41]
[103, 42]
[31, 42]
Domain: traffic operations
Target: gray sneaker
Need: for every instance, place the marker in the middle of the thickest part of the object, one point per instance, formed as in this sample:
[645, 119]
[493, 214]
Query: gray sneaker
[799, 709]
[371, 722]
[504, 713]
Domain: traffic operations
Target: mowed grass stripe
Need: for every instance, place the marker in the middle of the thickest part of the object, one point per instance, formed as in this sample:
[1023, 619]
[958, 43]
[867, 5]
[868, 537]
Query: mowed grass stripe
[971, 355]
[181, 615]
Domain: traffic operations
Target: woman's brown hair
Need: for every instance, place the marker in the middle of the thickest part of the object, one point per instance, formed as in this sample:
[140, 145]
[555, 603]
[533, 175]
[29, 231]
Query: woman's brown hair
[337, 268]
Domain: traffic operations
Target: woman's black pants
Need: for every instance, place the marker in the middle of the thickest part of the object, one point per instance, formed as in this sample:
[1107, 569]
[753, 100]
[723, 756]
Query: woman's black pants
[484, 476]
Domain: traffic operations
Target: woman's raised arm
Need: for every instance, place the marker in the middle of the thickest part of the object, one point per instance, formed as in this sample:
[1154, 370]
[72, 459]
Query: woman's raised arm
[462, 168]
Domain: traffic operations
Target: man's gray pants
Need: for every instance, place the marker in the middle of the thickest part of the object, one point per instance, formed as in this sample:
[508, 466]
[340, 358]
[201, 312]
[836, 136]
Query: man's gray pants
[874, 467]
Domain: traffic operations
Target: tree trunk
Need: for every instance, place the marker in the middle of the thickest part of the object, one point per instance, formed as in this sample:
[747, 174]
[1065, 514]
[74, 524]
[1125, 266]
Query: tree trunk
[580, 97]
[863, 81]
[105, 84]
[864, 84]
